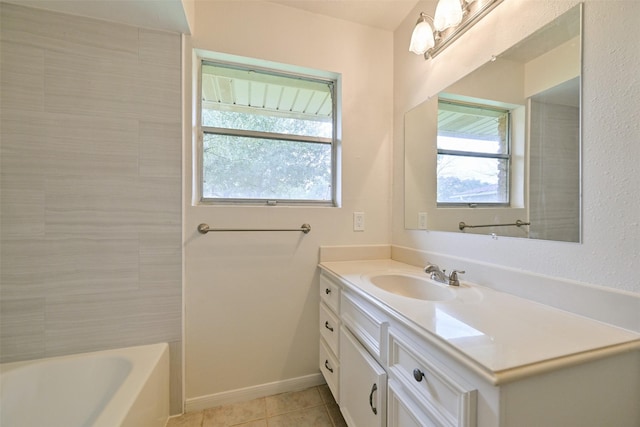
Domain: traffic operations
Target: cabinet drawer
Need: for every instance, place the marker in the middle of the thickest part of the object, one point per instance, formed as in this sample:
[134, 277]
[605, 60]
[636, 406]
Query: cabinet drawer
[329, 327]
[330, 293]
[366, 322]
[444, 399]
[404, 411]
[330, 369]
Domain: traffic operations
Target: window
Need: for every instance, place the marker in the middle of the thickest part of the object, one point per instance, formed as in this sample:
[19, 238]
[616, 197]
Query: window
[473, 154]
[267, 136]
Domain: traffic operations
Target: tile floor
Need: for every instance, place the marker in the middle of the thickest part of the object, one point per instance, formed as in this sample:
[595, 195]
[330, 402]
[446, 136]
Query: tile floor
[313, 407]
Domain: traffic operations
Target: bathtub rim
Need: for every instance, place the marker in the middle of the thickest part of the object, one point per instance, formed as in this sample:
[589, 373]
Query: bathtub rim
[145, 360]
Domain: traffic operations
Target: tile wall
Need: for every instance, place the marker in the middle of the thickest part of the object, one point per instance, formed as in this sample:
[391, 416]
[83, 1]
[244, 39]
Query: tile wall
[553, 181]
[90, 187]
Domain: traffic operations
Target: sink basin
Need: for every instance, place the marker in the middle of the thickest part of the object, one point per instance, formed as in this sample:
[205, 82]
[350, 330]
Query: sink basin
[411, 286]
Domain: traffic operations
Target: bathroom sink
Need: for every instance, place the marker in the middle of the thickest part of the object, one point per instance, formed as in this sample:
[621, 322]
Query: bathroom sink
[412, 286]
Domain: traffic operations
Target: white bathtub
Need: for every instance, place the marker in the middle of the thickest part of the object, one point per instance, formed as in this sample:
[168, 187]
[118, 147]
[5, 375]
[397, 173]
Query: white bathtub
[126, 387]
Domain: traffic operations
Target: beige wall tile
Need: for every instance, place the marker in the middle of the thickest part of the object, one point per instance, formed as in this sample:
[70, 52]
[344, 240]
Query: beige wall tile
[90, 92]
[157, 47]
[158, 200]
[94, 321]
[110, 63]
[160, 149]
[22, 76]
[151, 75]
[57, 31]
[91, 250]
[106, 206]
[68, 266]
[160, 262]
[61, 144]
[22, 206]
[84, 265]
[21, 329]
[160, 102]
[21, 270]
[23, 144]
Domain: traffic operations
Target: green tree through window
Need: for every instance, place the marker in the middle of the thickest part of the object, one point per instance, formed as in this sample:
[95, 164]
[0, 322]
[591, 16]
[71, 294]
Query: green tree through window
[266, 136]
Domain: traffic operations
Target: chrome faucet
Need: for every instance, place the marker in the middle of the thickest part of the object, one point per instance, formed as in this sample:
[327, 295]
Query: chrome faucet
[434, 272]
[453, 278]
[439, 276]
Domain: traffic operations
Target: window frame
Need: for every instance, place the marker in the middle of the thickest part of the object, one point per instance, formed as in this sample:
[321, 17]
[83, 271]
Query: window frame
[500, 156]
[334, 82]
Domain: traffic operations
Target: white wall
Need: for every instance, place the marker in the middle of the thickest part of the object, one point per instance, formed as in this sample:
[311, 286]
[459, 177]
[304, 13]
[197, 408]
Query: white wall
[251, 298]
[610, 253]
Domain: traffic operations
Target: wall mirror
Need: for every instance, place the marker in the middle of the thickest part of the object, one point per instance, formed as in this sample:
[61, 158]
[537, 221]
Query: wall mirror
[498, 152]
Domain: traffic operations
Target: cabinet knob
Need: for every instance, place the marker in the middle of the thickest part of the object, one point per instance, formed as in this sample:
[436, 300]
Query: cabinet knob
[326, 325]
[327, 291]
[418, 374]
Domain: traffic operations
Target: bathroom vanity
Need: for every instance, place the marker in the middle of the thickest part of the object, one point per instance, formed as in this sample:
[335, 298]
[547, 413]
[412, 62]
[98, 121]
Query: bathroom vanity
[400, 350]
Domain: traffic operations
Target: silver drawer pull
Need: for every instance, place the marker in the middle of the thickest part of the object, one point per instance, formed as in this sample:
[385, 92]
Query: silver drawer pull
[373, 389]
[326, 325]
[418, 374]
[326, 365]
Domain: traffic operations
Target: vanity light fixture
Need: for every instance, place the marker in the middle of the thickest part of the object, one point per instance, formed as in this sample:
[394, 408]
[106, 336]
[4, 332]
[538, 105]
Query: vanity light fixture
[448, 14]
[422, 38]
[451, 20]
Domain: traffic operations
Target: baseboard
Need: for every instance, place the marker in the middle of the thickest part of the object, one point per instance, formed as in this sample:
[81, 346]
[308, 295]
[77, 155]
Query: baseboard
[249, 393]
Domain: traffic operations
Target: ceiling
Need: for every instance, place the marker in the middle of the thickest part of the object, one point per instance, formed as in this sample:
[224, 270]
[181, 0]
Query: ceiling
[383, 14]
[169, 14]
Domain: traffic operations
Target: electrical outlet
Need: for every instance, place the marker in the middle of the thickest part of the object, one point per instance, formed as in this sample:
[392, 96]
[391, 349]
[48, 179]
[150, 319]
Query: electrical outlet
[358, 221]
[422, 220]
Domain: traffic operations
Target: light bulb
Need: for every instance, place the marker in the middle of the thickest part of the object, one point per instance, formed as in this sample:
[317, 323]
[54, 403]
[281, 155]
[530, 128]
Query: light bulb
[422, 37]
[448, 14]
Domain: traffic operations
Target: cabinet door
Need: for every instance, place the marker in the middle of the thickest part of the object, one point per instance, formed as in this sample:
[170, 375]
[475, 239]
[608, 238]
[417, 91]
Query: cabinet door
[363, 384]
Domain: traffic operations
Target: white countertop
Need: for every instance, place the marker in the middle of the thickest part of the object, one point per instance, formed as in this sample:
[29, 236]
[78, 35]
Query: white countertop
[501, 336]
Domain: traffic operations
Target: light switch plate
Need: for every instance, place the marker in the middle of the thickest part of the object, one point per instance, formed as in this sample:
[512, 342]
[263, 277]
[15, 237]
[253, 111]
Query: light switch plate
[422, 220]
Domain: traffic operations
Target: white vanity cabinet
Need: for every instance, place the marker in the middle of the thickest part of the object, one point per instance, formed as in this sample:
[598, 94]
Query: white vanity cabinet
[388, 370]
[367, 352]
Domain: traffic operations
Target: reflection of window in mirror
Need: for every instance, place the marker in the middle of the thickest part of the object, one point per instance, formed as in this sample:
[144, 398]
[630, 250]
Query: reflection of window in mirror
[474, 150]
